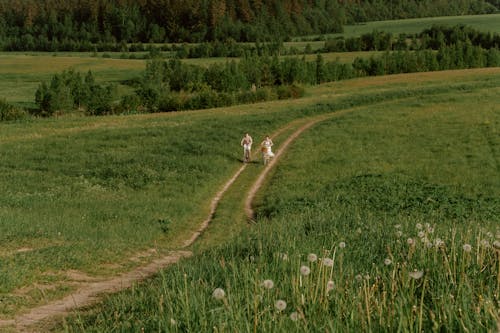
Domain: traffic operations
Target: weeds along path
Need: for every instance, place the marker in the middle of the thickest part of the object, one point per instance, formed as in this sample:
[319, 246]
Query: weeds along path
[89, 292]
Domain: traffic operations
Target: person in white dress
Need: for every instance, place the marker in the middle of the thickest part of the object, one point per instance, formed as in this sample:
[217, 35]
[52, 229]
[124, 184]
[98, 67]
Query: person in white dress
[267, 152]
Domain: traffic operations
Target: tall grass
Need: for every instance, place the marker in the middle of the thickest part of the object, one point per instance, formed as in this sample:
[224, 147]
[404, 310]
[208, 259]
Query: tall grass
[384, 219]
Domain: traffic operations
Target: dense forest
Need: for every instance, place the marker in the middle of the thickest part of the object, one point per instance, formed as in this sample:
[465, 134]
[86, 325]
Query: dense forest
[84, 25]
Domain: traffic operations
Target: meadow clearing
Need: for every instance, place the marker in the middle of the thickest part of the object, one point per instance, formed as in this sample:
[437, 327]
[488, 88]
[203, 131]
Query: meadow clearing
[381, 217]
[411, 155]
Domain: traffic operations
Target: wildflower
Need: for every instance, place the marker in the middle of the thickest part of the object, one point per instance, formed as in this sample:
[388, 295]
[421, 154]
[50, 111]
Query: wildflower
[358, 277]
[397, 226]
[173, 321]
[467, 247]
[342, 245]
[485, 243]
[421, 234]
[294, 316]
[410, 241]
[330, 285]
[312, 257]
[387, 261]
[304, 270]
[416, 274]
[496, 245]
[399, 233]
[268, 284]
[428, 244]
[328, 262]
[438, 242]
[418, 226]
[219, 293]
[280, 305]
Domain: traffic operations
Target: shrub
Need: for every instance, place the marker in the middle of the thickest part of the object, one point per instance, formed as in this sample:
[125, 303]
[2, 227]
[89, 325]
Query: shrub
[9, 112]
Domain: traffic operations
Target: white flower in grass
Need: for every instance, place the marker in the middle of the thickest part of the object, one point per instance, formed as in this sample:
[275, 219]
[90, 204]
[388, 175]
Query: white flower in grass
[397, 226]
[328, 262]
[387, 261]
[496, 245]
[268, 284]
[311, 257]
[359, 278]
[485, 243]
[416, 274]
[418, 226]
[330, 285]
[421, 234]
[428, 244]
[280, 305]
[430, 229]
[342, 245]
[219, 293]
[304, 270]
[294, 316]
[399, 233]
[410, 241]
[438, 242]
[173, 321]
[467, 247]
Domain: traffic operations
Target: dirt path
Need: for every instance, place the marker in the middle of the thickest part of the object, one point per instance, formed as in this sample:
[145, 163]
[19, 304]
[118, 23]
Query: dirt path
[89, 292]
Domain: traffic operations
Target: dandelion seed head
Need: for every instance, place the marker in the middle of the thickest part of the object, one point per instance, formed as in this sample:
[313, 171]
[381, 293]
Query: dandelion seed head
[421, 234]
[418, 226]
[328, 262]
[268, 284]
[387, 261]
[358, 278]
[294, 316]
[219, 293]
[399, 233]
[305, 270]
[410, 241]
[280, 305]
[397, 226]
[467, 247]
[330, 285]
[342, 245]
[496, 245]
[485, 243]
[416, 274]
[311, 257]
[173, 321]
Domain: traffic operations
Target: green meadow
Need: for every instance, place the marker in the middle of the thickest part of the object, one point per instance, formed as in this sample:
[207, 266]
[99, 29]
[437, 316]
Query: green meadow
[394, 192]
[384, 216]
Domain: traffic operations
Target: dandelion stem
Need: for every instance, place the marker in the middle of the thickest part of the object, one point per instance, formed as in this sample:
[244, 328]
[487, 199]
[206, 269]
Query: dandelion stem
[420, 315]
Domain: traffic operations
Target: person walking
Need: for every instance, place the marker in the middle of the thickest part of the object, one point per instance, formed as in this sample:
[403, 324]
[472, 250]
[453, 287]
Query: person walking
[246, 143]
[267, 152]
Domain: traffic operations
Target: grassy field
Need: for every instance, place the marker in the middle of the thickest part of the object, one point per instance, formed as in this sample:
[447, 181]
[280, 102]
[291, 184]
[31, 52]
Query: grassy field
[416, 157]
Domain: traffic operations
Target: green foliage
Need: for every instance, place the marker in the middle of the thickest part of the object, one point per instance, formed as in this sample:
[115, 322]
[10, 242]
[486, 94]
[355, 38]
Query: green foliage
[70, 90]
[9, 112]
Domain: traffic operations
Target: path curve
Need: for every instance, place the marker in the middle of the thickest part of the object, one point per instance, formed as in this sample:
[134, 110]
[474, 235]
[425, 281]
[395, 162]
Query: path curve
[260, 180]
[88, 293]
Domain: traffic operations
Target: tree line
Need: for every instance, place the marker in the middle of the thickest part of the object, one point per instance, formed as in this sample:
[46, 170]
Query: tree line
[171, 85]
[89, 25]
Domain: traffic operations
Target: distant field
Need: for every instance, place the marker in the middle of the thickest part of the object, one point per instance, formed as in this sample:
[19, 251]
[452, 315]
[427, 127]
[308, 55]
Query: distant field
[21, 74]
[489, 23]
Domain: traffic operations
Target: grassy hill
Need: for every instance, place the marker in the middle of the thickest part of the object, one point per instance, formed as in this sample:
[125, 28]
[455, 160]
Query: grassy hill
[395, 156]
